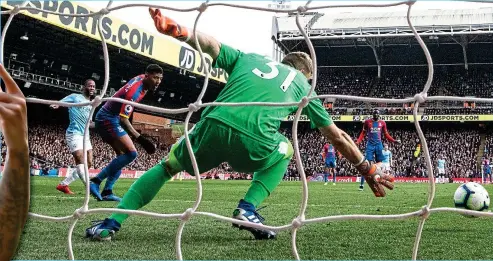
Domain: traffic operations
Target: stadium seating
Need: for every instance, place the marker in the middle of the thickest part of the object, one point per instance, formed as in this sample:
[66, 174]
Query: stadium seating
[459, 146]
[49, 148]
[405, 82]
[47, 141]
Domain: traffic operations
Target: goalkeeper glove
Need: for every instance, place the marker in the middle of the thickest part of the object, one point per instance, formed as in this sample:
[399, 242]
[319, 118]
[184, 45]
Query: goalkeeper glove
[146, 144]
[377, 180]
[168, 26]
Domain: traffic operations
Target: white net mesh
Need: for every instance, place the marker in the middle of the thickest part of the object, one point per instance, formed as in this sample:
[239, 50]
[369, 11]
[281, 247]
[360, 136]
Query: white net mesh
[299, 221]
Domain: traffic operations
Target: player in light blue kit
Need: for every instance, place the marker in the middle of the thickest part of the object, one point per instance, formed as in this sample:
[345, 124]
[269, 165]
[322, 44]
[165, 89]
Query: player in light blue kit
[441, 169]
[387, 159]
[74, 134]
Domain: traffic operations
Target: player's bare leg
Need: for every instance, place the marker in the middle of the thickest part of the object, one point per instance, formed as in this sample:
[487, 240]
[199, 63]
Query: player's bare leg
[126, 153]
[77, 173]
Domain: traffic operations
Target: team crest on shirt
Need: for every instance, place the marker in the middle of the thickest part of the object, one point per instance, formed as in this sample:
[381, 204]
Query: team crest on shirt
[128, 108]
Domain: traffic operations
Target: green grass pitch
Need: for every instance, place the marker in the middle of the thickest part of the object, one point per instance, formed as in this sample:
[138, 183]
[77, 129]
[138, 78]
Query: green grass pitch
[445, 235]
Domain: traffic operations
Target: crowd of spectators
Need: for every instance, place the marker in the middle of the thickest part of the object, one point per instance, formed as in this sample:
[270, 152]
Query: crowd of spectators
[459, 147]
[48, 147]
[488, 148]
[404, 82]
[455, 111]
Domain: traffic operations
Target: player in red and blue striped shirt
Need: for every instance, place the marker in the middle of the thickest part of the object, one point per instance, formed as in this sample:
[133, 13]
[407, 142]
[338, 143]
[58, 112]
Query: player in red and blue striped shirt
[374, 128]
[112, 123]
[329, 156]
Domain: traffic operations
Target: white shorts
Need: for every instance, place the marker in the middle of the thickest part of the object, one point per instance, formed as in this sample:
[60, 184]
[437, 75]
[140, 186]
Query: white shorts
[75, 142]
[441, 171]
[386, 166]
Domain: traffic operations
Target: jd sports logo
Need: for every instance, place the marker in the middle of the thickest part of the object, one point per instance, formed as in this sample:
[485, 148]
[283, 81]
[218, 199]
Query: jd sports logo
[425, 118]
[187, 58]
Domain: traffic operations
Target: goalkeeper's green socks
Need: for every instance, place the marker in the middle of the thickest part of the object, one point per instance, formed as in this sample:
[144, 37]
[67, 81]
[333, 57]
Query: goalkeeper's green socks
[264, 182]
[143, 191]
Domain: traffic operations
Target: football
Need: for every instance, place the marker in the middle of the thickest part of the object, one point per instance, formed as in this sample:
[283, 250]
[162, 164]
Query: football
[472, 196]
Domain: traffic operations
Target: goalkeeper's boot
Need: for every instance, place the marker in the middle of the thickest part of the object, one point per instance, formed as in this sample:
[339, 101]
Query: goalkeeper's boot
[103, 230]
[94, 189]
[246, 212]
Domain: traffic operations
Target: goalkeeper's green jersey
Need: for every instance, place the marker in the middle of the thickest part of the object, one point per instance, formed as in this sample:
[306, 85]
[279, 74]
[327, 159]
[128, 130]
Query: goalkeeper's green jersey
[255, 78]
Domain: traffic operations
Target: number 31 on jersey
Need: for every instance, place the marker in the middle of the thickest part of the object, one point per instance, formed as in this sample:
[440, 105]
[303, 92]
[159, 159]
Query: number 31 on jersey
[274, 72]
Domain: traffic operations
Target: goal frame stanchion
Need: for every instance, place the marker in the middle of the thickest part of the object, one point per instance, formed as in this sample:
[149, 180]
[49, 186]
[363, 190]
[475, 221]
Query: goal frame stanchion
[300, 220]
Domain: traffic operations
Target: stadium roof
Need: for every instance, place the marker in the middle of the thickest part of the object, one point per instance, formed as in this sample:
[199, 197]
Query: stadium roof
[366, 22]
[51, 61]
[430, 17]
[398, 19]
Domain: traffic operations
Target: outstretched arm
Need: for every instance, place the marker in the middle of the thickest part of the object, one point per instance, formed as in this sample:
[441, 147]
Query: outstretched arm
[345, 145]
[168, 26]
[362, 134]
[14, 185]
[387, 134]
[128, 127]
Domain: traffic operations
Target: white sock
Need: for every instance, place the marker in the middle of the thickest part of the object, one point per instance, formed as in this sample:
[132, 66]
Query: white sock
[80, 172]
[70, 177]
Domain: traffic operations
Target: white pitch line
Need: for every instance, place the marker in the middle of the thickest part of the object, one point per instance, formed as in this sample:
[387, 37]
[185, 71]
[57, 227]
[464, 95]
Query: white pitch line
[268, 204]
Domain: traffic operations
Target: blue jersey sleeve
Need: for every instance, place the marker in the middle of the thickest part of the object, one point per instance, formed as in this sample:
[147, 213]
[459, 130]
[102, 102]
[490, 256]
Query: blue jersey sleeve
[70, 98]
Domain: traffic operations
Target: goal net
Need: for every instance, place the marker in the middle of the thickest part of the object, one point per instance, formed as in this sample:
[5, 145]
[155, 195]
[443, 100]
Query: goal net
[423, 213]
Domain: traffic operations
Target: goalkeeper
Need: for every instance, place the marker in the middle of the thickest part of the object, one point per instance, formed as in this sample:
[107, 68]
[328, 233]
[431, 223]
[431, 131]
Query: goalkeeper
[245, 137]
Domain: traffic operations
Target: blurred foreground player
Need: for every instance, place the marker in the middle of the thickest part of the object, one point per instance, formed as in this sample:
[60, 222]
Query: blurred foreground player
[245, 137]
[14, 184]
[329, 157]
[112, 123]
[374, 128]
[74, 134]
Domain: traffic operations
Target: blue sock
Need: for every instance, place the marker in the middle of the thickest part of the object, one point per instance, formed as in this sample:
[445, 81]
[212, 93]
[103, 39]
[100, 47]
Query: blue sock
[326, 177]
[334, 176]
[110, 182]
[115, 165]
[362, 181]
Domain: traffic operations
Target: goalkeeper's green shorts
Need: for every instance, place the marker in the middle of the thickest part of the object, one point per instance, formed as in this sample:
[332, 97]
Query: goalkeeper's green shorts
[214, 142]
